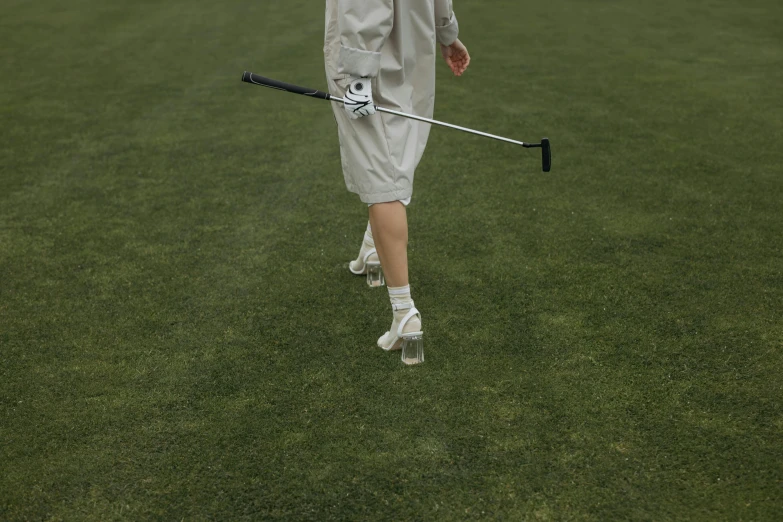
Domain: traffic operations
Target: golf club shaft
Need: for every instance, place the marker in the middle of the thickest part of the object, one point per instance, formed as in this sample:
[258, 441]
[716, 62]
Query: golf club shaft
[255, 79]
[441, 123]
[546, 151]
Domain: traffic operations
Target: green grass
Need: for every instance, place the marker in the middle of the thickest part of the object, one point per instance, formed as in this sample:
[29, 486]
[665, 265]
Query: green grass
[180, 339]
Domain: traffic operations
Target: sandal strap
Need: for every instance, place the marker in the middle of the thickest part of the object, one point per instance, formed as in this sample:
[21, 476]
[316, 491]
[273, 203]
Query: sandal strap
[368, 254]
[413, 311]
[402, 306]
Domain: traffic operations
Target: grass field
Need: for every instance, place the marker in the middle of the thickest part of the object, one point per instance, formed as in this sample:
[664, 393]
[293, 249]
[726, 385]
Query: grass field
[180, 338]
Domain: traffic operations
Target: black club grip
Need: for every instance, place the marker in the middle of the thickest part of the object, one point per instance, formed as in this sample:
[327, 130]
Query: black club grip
[282, 86]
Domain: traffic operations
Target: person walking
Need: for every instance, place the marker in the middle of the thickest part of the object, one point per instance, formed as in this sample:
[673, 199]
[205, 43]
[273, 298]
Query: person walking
[383, 51]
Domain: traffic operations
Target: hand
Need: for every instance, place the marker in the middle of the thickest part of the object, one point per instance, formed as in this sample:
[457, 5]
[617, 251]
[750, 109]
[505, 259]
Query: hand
[358, 99]
[456, 56]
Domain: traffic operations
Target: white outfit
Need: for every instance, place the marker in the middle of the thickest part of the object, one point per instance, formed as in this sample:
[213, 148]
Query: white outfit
[393, 42]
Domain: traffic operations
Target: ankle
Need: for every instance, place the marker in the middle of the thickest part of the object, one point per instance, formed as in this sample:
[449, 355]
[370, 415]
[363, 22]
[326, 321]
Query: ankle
[402, 304]
[400, 295]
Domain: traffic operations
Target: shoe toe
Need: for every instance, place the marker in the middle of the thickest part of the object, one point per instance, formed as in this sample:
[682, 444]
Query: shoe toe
[383, 340]
[356, 266]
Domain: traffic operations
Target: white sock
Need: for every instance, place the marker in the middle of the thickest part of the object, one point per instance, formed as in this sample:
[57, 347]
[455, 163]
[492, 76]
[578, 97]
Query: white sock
[367, 244]
[402, 295]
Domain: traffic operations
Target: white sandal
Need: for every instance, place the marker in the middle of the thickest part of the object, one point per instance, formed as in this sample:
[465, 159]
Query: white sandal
[371, 266]
[411, 343]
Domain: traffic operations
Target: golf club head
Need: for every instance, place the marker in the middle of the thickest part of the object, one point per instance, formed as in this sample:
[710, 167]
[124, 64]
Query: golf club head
[546, 155]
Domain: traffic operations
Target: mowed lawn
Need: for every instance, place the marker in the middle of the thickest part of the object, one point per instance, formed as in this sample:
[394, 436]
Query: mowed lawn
[180, 338]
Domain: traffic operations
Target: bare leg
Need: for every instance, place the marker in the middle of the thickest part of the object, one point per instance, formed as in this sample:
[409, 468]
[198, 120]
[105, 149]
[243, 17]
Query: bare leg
[389, 223]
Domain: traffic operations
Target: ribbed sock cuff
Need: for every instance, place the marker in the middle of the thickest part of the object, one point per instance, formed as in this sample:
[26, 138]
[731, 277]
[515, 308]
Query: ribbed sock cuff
[400, 294]
[397, 291]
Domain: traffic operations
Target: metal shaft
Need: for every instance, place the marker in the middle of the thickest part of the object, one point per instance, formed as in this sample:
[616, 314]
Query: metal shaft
[444, 124]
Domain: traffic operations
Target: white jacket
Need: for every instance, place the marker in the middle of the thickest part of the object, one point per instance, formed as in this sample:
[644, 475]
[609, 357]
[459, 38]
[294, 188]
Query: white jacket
[394, 43]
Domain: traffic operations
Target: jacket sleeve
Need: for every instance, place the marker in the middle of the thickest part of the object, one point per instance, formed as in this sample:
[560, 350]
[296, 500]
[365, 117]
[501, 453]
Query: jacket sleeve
[364, 27]
[446, 26]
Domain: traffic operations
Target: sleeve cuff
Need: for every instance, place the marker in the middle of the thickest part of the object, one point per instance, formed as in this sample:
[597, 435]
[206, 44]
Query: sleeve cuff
[447, 34]
[358, 63]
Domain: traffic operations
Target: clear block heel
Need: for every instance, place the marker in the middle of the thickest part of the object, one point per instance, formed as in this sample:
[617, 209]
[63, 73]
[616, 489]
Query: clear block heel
[375, 275]
[413, 348]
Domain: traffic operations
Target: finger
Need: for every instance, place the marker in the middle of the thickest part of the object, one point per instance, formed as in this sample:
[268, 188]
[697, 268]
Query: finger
[464, 62]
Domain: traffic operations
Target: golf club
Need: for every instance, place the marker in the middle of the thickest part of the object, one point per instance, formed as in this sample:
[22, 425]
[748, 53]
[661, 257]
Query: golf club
[546, 151]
